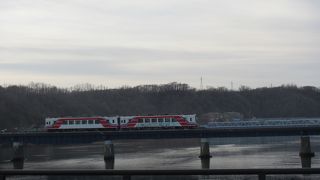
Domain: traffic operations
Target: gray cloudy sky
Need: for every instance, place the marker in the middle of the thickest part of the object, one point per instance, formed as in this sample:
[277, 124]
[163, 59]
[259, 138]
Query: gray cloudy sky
[131, 42]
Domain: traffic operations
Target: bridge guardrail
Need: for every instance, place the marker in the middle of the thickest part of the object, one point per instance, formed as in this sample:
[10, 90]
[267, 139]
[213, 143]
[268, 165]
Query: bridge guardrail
[127, 174]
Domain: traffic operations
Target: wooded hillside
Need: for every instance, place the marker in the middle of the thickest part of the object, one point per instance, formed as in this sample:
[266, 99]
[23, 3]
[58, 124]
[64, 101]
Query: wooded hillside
[27, 106]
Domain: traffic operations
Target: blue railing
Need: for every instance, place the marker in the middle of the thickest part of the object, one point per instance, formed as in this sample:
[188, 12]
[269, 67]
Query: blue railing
[265, 123]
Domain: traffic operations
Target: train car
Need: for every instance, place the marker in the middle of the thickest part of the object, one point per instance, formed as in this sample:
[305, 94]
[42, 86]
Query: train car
[121, 122]
[81, 123]
[158, 122]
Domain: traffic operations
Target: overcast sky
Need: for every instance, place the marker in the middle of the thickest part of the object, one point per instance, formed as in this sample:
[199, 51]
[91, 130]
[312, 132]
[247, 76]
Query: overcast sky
[131, 42]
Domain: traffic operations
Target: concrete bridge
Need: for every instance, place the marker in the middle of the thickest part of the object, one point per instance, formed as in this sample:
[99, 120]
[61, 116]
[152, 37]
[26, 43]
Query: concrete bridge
[18, 140]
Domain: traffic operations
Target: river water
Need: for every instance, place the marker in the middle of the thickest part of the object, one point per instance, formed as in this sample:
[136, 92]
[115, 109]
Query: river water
[254, 152]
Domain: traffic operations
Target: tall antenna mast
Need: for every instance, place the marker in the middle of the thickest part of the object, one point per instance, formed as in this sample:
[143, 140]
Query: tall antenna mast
[231, 86]
[201, 84]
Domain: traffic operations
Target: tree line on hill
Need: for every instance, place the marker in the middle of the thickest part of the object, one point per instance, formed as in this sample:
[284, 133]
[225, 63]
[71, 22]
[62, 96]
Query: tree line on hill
[28, 106]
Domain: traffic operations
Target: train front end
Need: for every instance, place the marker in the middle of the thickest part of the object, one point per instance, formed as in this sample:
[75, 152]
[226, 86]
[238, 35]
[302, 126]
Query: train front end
[81, 123]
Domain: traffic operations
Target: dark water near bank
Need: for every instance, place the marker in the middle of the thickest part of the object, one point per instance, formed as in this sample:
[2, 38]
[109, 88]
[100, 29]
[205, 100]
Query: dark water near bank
[260, 152]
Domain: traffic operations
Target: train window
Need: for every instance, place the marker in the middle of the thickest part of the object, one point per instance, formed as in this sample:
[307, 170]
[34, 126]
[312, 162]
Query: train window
[147, 120]
[190, 119]
[112, 121]
[160, 120]
[64, 122]
[71, 122]
[97, 121]
[173, 120]
[140, 120]
[167, 120]
[154, 120]
[84, 122]
[77, 122]
[90, 122]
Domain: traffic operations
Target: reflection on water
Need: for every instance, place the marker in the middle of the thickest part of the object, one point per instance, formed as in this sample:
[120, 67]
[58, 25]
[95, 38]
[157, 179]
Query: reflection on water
[205, 163]
[258, 152]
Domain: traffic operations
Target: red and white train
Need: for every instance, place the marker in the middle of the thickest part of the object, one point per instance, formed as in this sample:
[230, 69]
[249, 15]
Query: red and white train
[121, 122]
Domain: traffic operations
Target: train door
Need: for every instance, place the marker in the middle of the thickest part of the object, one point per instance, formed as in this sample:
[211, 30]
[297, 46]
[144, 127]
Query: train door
[118, 122]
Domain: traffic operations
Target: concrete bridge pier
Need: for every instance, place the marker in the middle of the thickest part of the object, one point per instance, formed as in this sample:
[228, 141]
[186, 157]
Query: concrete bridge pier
[305, 152]
[205, 154]
[109, 164]
[205, 149]
[108, 154]
[18, 155]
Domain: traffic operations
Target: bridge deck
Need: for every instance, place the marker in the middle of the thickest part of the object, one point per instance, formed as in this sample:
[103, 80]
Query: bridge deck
[93, 136]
